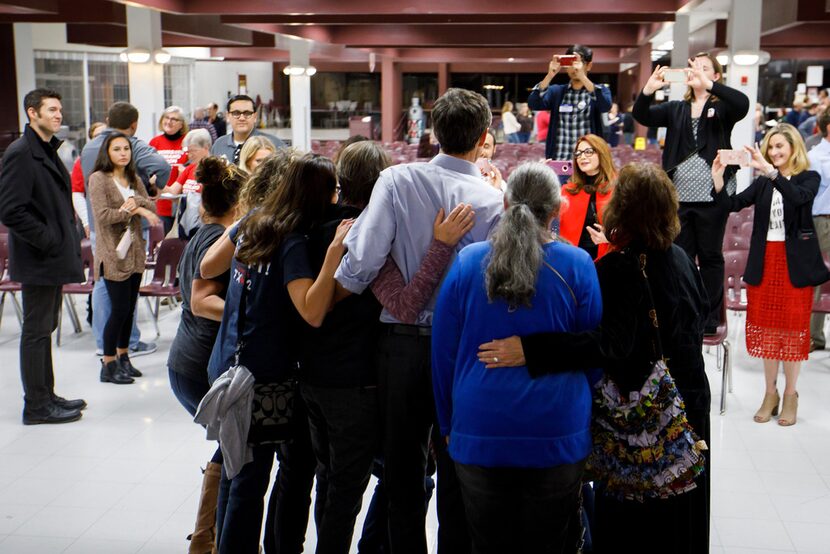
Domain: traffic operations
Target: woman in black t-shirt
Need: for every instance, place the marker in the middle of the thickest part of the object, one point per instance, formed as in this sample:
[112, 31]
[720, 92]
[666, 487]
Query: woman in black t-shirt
[203, 301]
[269, 258]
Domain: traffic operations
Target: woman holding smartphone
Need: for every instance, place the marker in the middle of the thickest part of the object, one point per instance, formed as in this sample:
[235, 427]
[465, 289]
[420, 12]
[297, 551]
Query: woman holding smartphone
[696, 128]
[587, 193]
[784, 262]
[117, 196]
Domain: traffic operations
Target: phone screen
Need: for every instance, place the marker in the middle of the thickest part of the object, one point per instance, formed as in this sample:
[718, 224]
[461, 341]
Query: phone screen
[566, 60]
[674, 76]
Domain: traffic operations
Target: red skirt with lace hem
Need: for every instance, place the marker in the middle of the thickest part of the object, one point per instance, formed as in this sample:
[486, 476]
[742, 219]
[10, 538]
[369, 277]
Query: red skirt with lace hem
[778, 314]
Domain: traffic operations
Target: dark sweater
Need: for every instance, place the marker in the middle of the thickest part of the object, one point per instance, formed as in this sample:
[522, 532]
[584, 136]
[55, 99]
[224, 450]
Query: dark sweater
[716, 122]
[341, 352]
[622, 344]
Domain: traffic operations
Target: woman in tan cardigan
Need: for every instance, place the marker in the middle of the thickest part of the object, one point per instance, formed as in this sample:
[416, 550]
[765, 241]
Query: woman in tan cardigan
[119, 201]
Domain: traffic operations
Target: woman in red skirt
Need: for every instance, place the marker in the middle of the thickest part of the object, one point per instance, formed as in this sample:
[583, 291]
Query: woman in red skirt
[784, 262]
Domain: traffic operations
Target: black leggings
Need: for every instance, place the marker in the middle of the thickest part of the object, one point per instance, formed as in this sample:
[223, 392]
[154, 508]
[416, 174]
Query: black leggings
[123, 295]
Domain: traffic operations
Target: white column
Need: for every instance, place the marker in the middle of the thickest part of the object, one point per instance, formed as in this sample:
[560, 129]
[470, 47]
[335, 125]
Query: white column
[300, 93]
[146, 79]
[680, 53]
[744, 33]
[24, 64]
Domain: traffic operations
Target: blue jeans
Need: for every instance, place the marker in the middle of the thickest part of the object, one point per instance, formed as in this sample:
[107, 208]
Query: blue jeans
[512, 138]
[189, 392]
[101, 310]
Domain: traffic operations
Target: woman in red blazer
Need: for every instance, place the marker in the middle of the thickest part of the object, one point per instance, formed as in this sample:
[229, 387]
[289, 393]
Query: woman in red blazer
[586, 194]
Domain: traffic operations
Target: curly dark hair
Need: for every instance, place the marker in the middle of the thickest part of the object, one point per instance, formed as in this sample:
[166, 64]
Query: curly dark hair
[642, 209]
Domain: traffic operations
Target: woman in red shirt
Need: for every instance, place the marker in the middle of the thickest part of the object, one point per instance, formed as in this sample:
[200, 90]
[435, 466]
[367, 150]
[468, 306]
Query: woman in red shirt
[586, 194]
[173, 127]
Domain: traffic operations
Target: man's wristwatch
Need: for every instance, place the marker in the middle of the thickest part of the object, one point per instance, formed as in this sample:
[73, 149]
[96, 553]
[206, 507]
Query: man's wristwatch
[539, 87]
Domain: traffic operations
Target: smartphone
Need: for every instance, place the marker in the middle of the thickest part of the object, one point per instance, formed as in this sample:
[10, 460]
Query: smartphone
[674, 76]
[734, 157]
[561, 167]
[566, 60]
[484, 166]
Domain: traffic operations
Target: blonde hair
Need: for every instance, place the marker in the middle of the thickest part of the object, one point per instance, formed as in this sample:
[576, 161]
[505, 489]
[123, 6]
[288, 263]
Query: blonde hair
[507, 107]
[178, 111]
[251, 147]
[798, 161]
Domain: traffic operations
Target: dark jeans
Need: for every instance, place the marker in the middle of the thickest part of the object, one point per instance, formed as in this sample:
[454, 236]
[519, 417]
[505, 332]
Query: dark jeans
[522, 510]
[408, 412]
[123, 296]
[287, 517]
[374, 538]
[167, 222]
[189, 392]
[41, 309]
[702, 226]
[344, 425]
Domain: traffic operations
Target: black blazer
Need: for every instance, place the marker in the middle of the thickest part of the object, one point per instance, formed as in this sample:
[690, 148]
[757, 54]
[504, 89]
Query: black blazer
[716, 123]
[36, 206]
[804, 262]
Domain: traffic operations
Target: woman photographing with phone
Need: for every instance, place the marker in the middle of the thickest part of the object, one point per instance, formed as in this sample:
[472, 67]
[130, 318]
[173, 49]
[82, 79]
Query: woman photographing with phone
[696, 128]
[784, 262]
[117, 195]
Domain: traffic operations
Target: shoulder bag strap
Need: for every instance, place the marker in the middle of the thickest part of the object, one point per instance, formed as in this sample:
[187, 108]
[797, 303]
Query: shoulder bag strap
[570, 290]
[656, 343]
[240, 319]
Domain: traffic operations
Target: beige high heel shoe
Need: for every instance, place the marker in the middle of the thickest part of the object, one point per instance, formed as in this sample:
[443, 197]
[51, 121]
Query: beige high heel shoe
[769, 408]
[789, 410]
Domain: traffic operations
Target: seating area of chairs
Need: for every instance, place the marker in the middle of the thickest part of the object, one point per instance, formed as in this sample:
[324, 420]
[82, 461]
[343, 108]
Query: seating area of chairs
[508, 155]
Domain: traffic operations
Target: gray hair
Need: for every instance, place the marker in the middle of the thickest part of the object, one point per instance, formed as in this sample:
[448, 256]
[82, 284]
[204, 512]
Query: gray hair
[516, 255]
[197, 137]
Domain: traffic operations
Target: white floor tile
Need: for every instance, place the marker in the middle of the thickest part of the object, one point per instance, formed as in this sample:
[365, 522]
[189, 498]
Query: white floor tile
[751, 533]
[60, 521]
[19, 544]
[91, 494]
[101, 546]
[742, 505]
[13, 516]
[129, 525]
[809, 537]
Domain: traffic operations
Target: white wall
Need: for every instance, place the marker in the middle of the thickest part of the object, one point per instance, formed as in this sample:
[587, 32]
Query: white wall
[214, 79]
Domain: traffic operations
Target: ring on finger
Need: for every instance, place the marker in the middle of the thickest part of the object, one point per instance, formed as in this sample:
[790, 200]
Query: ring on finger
[495, 360]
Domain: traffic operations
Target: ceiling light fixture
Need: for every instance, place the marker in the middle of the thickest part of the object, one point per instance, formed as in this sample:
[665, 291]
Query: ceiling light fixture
[750, 57]
[161, 56]
[297, 70]
[135, 55]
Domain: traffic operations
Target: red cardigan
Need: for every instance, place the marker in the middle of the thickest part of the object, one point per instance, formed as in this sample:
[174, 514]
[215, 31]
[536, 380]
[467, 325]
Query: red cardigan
[572, 218]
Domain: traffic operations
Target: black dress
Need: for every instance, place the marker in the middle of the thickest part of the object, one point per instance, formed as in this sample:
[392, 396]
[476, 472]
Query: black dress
[622, 347]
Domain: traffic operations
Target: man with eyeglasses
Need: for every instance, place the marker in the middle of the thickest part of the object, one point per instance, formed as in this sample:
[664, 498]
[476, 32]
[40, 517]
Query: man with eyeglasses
[575, 108]
[243, 117]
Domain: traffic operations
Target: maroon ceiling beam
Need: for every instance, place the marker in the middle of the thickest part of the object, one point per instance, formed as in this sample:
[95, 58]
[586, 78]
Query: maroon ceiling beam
[373, 36]
[811, 10]
[115, 36]
[805, 34]
[792, 53]
[80, 11]
[335, 7]
[28, 6]
[440, 18]
[206, 26]
[539, 56]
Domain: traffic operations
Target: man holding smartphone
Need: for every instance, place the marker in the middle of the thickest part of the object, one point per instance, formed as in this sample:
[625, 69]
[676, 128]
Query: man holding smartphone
[575, 108]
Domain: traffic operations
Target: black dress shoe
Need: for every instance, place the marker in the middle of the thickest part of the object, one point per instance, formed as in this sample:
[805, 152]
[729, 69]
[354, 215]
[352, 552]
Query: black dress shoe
[76, 404]
[51, 413]
[127, 365]
[814, 346]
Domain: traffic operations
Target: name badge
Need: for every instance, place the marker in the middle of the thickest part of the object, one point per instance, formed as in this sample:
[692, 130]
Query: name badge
[710, 112]
[581, 105]
[566, 108]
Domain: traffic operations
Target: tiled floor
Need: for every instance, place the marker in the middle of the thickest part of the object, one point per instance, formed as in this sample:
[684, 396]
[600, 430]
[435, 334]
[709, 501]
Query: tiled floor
[125, 478]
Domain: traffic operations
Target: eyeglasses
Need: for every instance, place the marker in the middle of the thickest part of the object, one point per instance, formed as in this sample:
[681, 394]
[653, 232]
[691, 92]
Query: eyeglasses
[588, 152]
[170, 118]
[236, 114]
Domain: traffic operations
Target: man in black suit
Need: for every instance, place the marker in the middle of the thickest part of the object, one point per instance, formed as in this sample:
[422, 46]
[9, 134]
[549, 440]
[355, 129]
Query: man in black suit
[44, 250]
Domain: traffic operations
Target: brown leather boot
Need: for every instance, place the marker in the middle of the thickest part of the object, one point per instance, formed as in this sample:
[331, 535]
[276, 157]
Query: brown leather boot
[203, 539]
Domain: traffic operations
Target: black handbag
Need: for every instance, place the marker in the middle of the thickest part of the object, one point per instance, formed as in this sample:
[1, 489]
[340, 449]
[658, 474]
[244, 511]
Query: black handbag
[273, 403]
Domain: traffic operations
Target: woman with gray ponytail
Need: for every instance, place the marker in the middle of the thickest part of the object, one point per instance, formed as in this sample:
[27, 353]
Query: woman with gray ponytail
[519, 444]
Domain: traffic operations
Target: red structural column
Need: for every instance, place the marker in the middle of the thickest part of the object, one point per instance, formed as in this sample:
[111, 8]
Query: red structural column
[391, 89]
[443, 78]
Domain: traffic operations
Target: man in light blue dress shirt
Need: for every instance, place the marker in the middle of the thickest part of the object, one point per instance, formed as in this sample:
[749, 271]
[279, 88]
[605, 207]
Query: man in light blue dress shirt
[819, 158]
[398, 222]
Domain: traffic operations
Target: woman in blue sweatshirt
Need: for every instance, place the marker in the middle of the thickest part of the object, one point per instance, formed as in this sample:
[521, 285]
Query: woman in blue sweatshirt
[519, 443]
